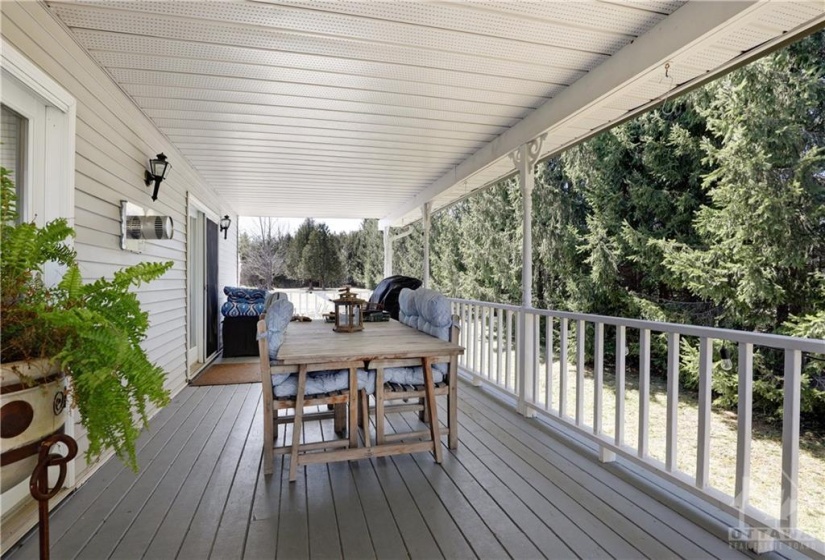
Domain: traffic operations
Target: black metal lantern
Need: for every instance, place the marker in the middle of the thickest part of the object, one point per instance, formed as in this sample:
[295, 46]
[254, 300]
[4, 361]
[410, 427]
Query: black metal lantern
[157, 172]
[349, 311]
[225, 223]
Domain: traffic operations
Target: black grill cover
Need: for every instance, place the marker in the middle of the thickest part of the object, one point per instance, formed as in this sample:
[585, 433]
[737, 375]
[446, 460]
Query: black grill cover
[387, 291]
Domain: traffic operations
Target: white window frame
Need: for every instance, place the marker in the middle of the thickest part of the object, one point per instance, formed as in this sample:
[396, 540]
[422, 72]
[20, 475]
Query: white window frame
[50, 182]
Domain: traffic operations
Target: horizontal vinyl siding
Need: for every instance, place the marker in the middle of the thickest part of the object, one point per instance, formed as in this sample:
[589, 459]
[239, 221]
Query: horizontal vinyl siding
[113, 141]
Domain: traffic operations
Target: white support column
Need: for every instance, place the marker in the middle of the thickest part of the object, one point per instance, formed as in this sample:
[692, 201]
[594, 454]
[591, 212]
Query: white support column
[387, 252]
[425, 216]
[525, 158]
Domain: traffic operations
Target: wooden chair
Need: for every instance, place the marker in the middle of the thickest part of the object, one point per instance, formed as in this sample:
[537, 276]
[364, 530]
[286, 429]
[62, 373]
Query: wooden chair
[388, 394]
[340, 401]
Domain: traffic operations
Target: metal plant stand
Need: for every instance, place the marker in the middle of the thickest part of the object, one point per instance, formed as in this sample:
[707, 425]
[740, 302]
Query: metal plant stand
[39, 482]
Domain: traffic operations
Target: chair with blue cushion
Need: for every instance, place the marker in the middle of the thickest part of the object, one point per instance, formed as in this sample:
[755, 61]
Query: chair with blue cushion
[402, 380]
[293, 387]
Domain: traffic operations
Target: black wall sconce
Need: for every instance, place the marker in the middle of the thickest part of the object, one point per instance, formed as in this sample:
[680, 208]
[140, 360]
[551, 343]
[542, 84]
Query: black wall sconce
[225, 223]
[157, 172]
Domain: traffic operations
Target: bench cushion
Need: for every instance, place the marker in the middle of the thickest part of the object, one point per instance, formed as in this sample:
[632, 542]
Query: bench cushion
[319, 382]
[430, 312]
[413, 375]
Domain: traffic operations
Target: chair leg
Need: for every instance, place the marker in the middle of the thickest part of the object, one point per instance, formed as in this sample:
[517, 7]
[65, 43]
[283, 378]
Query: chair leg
[379, 406]
[297, 421]
[432, 409]
[340, 419]
[365, 415]
[452, 406]
[353, 408]
[423, 415]
[270, 426]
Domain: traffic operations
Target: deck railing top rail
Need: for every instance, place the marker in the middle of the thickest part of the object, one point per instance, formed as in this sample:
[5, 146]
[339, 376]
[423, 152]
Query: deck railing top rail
[782, 342]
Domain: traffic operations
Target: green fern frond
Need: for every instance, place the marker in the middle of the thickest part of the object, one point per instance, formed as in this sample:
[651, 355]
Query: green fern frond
[93, 330]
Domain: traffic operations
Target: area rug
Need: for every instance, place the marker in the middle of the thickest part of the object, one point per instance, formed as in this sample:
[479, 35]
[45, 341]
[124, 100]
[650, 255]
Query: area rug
[229, 374]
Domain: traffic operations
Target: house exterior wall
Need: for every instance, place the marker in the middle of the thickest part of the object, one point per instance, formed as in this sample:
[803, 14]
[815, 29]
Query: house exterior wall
[113, 140]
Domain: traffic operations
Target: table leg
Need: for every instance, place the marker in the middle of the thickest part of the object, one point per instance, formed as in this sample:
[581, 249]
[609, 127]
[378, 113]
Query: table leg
[297, 421]
[429, 387]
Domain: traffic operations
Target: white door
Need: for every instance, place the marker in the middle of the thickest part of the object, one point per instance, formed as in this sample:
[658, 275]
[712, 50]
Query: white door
[202, 300]
[196, 354]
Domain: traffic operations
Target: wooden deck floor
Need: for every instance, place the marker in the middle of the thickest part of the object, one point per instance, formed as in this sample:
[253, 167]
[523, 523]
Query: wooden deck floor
[510, 490]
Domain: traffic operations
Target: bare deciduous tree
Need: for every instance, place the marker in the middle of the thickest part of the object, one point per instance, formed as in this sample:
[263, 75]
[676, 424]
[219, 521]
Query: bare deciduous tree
[263, 254]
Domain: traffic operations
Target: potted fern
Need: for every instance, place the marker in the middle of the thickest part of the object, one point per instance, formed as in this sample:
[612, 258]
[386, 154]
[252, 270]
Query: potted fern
[89, 333]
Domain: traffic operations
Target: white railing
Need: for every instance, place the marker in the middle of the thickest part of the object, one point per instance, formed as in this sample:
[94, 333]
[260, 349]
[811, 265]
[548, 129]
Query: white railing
[316, 302]
[530, 354]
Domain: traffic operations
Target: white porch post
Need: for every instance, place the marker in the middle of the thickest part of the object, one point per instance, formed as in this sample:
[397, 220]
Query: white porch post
[525, 158]
[387, 252]
[425, 215]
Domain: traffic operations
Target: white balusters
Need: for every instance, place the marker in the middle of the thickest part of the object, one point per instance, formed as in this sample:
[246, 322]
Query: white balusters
[563, 367]
[644, 391]
[598, 376]
[790, 439]
[672, 429]
[744, 424]
[510, 365]
[703, 451]
[579, 372]
[621, 343]
[503, 347]
[548, 360]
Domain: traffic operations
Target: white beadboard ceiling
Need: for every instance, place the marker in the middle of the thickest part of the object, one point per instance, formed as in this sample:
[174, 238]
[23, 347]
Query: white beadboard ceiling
[368, 109]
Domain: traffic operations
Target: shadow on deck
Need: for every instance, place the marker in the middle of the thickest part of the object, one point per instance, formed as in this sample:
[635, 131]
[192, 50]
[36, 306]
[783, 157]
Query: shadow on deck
[510, 490]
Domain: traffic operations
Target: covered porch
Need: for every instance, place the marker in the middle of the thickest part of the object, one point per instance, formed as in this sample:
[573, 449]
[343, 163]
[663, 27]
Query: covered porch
[395, 111]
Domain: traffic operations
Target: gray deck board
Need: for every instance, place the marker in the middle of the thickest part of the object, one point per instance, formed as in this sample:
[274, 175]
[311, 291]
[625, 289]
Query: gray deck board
[510, 490]
[686, 539]
[585, 511]
[169, 536]
[204, 525]
[349, 512]
[135, 500]
[322, 523]
[75, 508]
[384, 530]
[231, 536]
[146, 523]
[477, 534]
[87, 523]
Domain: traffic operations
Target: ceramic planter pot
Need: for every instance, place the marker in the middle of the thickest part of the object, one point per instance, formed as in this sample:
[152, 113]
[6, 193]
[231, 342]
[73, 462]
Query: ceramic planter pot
[30, 411]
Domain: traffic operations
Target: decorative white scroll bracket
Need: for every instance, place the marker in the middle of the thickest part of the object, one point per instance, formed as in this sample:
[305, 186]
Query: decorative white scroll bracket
[528, 153]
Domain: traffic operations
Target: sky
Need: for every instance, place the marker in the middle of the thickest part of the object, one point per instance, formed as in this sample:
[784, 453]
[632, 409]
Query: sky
[250, 224]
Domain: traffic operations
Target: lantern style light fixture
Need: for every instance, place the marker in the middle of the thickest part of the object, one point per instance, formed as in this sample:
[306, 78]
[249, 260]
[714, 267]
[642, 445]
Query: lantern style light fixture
[157, 172]
[225, 223]
[349, 316]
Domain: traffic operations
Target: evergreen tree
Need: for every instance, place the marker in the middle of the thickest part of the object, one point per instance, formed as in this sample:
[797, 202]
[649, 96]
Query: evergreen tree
[761, 249]
[640, 182]
[362, 254]
[295, 252]
[408, 253]
[320, 260]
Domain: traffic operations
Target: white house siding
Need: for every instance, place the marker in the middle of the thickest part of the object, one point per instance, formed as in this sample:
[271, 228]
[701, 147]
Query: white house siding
[113, 142]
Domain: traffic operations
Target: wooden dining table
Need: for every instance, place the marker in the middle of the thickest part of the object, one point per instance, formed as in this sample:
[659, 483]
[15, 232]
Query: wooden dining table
[315, 343]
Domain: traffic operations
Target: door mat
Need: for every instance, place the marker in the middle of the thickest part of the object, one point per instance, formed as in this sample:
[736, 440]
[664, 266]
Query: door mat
[229, 374]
